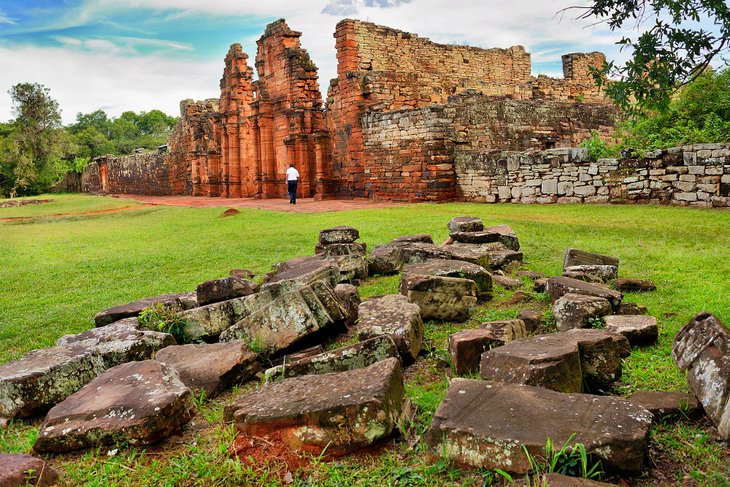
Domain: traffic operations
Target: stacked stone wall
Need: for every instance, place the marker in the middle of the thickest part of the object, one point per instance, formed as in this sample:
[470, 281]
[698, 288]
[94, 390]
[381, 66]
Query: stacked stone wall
[696, 175]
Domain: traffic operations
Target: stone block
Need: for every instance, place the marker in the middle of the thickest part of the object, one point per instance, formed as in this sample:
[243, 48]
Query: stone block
[667, 404]
[224, 289]
[441, 298]
[341, 234]
[452, 268]
[702, 349]
[558, 286]
[577, 311]
[394, 316]
[337, 412]
[465, 224]
[574, 257]
[602, 272]
[134, 308]
[357, 356]
[638, 329]
[18, 470]
[139, 403]
[488, 425]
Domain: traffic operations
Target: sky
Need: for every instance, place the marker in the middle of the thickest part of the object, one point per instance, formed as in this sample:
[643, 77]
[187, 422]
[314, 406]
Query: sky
[140, 55]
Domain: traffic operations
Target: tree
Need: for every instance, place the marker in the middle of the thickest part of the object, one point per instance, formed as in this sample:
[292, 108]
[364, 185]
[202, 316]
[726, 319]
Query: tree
[35, 143]
[669, 50]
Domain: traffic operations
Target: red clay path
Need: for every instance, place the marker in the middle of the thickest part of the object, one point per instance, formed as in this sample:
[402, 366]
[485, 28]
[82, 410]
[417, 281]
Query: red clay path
[304, 205]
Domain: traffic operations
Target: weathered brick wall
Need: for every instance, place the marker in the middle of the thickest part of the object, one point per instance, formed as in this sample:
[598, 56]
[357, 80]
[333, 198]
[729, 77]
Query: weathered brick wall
[382, 70]
[150, 174]
[696, 175]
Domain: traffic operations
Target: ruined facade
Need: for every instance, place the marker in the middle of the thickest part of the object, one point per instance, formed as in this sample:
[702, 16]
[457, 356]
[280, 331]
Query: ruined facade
[400, 112]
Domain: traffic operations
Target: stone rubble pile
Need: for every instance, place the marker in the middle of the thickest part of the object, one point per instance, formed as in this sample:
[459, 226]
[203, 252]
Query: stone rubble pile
[121, 383]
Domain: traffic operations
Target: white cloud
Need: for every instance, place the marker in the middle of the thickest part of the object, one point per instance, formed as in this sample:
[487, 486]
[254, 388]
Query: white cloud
[4, 19]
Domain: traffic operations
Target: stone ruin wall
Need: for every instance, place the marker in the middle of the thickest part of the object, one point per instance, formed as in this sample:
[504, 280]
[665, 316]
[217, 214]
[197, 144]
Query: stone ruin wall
[381, 150]
[407, 119]
[150, 174]
[696, 175]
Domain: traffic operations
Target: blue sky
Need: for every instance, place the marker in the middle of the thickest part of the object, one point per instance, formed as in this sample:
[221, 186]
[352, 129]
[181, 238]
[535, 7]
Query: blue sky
[119, 55]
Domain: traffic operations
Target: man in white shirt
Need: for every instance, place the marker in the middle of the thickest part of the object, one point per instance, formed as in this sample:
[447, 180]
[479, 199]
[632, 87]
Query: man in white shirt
[292, 175]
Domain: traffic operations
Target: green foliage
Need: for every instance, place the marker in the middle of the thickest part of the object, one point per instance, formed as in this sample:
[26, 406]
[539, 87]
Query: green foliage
[165, 319]
[572, 461]
[598, 148]
[32, 145]
[669, 46]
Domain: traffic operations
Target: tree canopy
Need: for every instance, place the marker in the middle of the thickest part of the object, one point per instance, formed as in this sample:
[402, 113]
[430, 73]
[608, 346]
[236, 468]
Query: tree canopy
[668, 42]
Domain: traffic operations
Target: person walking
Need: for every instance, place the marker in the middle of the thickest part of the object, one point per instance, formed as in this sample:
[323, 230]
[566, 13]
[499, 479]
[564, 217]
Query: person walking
[292, 176]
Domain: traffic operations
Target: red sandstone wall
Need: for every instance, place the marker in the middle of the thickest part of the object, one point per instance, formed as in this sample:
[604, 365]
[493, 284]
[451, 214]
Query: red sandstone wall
[151, 174]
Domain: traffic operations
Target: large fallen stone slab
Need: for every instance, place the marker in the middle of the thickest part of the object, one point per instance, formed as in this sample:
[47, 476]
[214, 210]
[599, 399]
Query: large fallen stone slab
[212, 367]
[339, 412]
[497, 233]
[177, 302]
[577, 310]
[638, 329]
[507, 236]
[42, 378]
[575, 257]
[465, 224]
[224, 289]
[506, 281]
[559, 286]
[421, 237]
[440, 298]
[506, 330]
[349, 297]
[138, 403]
[340, 249]
[394, 316]
[353, 268]
[17, 470]
[563, 362]
[702, 349]
[341, 234]
[452, 268]
[487, 425]
[357, 356]
[283, 313]
[667, 404]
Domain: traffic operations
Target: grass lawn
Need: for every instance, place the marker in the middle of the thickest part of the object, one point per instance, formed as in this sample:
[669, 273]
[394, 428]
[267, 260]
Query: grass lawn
[58, 271]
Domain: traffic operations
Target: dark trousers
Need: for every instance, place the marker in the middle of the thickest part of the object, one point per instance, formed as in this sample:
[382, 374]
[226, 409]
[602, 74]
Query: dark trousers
[292, 188]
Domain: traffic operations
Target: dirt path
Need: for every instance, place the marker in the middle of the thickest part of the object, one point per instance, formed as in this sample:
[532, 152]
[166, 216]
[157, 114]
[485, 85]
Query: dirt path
[304, 205]
[92, 212]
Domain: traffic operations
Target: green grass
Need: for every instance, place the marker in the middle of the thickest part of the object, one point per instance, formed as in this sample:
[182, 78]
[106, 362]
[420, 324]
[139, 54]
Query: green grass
[57, 272]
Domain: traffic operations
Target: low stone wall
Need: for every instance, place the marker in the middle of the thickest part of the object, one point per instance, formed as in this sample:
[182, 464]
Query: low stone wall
[149, 174]
[695, 175]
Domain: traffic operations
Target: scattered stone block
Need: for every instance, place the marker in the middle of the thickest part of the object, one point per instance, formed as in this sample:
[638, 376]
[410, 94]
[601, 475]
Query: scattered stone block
[139, 403]
[531, 318]
[667, 404]
[475, 237]
[633, 285]
[582, 276]
[629, 308]
[394, 316]
[465, 224]
[390, 258]
[353, 268]
[340, 249]
[341, 234]
[133, 309]
[576, 310]
[467, 346]
[638, 329]
[42, 378]
[702, 349]
[506, 281]
[339, 412]
[541, 285]
[507, 236]
[18, 470]
[487, 424]
[305, 270]
[453, 268]
[558, 286]
[420, 238]
[601, 352]
[242, 273]
[224, 289]
[283, 313]
[490, 256]
[544, 361]
[601, 272]
[531, 275]
[506, 330]
[357, 356]
[575, 257]
[349, 297]
[441, 298]
[212, 367]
